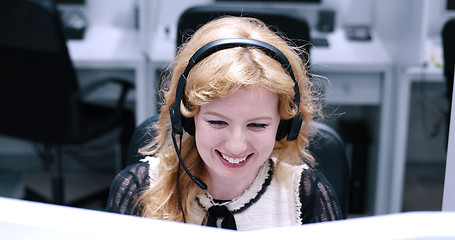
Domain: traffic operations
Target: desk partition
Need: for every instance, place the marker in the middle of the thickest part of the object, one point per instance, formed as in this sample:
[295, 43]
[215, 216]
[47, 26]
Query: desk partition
[448, 201]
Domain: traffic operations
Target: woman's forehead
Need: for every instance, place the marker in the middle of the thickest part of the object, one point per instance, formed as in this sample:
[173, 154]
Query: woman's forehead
[254, 95]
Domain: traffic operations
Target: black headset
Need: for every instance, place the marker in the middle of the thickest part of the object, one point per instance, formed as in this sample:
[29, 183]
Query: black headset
[290, 127]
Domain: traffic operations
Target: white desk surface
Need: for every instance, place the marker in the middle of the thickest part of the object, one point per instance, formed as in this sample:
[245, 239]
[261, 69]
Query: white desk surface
[31, 220]
[106, 46]
[344, 55]
[429, 74]
[433, 56]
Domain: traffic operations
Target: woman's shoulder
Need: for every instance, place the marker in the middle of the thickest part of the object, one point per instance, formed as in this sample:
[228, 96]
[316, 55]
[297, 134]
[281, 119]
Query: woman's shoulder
[313, 179]
[303, 174]
[319, 202]
[313, 174]
[125, 188]
[139, 172]
[136, 171]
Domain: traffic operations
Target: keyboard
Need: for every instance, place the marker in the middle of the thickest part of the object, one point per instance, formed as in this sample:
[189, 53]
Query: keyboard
[320, 42]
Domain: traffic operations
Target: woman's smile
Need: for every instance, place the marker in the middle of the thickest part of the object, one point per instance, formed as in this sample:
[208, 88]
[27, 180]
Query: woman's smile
[234, 162]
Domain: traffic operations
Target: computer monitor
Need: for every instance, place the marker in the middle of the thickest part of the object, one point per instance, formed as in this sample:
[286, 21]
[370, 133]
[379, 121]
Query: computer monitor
[448, 201]
[283, 1]
[70, 1]
[450, 5]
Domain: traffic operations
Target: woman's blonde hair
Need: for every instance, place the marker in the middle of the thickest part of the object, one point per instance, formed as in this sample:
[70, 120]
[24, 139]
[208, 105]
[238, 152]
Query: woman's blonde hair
[217, 76]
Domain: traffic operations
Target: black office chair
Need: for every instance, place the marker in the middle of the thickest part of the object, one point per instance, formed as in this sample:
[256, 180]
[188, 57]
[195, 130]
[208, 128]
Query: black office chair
[325, 145]
[448, 38]
[294, 26]
[40, 98]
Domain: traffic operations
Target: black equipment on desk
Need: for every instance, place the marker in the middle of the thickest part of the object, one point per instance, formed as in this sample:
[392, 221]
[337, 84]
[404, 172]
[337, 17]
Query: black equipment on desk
[448, 38]
[289, 22]
[70, 1]
[283, 1]
[319, 42]
[74, 23]
[326, 20]
[358, 33]
[450, 5]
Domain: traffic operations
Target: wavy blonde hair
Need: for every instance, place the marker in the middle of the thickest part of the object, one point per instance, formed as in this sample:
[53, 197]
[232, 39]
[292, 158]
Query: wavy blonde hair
[217, 76]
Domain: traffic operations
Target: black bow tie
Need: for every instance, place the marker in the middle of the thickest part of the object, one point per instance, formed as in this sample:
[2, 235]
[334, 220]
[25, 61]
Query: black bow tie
[216, 212]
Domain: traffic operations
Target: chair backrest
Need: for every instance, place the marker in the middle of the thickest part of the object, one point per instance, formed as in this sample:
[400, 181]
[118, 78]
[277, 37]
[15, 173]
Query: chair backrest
[325, 145]
[294, 26]
[328, 148]
[37, 78]
[448, 40]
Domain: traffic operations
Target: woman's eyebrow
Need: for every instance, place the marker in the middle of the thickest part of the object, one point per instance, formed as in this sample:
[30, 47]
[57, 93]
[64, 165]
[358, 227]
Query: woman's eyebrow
[257, 118]
[216, 114]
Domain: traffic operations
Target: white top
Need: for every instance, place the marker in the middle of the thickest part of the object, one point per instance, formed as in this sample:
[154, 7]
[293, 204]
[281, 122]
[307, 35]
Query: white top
[282, 201]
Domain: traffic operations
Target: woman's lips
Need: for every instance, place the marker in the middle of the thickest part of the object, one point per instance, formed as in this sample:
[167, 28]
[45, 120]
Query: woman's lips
[234, 162]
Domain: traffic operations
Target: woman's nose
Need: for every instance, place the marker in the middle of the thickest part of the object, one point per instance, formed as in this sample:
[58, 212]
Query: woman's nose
[237, 142]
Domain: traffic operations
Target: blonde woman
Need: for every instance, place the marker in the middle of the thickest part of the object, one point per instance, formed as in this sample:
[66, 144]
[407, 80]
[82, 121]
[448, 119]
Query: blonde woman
[232, 141]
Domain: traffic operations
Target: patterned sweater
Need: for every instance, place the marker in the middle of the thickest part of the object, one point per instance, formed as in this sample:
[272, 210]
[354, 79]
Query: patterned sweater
[306, 198]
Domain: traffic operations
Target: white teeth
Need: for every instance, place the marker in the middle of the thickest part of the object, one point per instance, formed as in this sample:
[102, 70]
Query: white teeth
[233, 160]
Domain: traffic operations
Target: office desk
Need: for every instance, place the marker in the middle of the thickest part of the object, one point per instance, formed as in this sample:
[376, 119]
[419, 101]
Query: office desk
[412, 74]
[106, 47]
[31, 220]
[360, 75]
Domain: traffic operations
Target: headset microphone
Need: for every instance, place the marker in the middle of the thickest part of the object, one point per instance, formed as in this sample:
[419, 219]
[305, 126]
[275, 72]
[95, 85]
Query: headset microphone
[179, 131]
[196, 180]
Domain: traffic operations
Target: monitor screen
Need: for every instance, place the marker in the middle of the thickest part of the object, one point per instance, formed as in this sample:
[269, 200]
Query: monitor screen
[450, 5]
[71, 1]
[284, 1]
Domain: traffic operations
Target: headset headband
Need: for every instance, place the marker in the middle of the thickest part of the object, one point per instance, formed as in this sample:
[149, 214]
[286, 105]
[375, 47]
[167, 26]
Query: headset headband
[221, 44]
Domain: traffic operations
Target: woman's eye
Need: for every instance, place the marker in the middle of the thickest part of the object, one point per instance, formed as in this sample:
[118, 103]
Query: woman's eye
[217, 123]
[257, 125]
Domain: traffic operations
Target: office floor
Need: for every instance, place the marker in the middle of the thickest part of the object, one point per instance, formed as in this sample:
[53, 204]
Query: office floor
[424, 185]
[85, 175]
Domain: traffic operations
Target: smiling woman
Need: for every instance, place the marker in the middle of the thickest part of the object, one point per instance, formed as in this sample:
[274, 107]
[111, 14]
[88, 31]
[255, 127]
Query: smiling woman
[240, 100]
[241, 140]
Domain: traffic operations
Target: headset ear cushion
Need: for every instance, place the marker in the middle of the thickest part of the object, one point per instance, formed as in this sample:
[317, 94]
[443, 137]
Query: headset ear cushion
[290, 128]
[283, 129]
[188, 125]
[294, 128]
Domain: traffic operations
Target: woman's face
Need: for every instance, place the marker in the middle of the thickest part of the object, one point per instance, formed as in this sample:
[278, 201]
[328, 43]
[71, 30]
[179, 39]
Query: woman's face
[235, 135]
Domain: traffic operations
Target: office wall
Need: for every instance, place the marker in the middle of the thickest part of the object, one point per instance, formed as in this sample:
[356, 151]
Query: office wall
[399, 24]
[107, 12]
